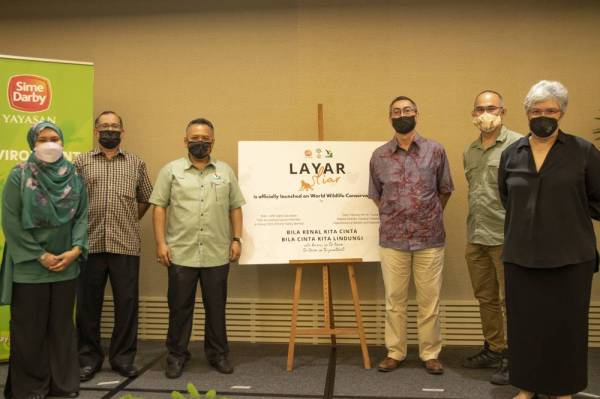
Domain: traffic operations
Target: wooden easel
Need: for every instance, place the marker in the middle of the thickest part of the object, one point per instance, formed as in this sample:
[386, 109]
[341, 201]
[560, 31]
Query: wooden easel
[329, 328]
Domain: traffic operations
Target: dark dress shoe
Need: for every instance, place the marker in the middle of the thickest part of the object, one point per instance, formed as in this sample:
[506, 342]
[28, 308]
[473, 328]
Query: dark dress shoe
[388, 364]
[434, 366]
[222, 365]
[86, 373]
[174, 368]
[127, 370]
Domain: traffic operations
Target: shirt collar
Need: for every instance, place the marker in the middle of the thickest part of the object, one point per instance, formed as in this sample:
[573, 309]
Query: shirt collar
[500, 139]
[188, 164]
[524, 141]
[98, 151]
[503, 135]
[393, 145]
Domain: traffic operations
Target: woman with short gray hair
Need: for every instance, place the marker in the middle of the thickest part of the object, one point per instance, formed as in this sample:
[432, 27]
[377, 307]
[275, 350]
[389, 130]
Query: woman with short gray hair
[546, 90]
[549, 183]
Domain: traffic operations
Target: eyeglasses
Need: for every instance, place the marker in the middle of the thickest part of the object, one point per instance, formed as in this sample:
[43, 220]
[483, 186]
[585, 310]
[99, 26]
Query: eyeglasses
[491, 109]
[406, 111]
[107, 126]
[546, 112]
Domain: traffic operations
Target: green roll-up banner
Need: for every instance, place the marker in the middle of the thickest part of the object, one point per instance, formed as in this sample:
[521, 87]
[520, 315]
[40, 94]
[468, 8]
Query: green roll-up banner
[32, 90]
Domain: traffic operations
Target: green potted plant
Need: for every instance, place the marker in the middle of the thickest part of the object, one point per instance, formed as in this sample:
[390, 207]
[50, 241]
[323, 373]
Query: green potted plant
[193, 394]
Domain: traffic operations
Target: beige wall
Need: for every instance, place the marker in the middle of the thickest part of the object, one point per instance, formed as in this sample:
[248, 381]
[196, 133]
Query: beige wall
[257, 69]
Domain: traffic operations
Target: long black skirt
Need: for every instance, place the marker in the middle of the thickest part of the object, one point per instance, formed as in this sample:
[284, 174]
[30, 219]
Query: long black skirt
[547, 320]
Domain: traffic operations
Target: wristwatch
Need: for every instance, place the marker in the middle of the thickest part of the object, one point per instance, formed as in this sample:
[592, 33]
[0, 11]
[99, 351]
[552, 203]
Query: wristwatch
[238, 239]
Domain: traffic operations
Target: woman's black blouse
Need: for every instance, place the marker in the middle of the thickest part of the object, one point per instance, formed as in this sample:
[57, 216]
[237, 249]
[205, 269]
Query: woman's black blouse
[549, 214]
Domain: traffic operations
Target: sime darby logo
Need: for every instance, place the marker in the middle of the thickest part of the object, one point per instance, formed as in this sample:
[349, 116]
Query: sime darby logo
[29, 93]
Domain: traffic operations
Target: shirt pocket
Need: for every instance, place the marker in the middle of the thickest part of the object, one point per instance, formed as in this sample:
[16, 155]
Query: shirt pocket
[221, 192]
[470, 174]
[126, 189]
[185, 191]
[492, 171]
[124, 183]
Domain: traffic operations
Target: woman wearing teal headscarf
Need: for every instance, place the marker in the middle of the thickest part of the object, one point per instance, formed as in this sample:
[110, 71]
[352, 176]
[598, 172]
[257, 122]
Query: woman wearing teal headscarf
[44, 218]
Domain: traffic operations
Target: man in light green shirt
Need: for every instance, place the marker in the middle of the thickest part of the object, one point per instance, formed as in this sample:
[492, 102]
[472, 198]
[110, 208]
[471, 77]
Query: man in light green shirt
[197, 227]
[485, 230]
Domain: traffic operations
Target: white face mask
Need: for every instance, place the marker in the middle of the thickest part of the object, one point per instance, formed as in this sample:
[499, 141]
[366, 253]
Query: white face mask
[48, 152]
[487, 122]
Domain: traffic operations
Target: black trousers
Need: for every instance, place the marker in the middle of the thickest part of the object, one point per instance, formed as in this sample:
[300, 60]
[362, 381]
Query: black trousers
[181, 296]
[123, 271]
[43, 342]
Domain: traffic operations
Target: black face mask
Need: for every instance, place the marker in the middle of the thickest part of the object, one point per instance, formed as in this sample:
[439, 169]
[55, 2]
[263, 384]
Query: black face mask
[404, 124]
[109, 139]
[543, 126]
[199, 149]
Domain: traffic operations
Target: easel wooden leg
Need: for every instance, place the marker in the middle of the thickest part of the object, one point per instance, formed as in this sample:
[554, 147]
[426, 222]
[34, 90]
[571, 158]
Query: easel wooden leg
[297, 287]
[328, 312]
[328, 303]
[359, 323]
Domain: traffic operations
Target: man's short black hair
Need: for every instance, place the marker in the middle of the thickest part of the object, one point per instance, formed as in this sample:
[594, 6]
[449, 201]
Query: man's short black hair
[108, 113]
[201, 121]
[400, 98]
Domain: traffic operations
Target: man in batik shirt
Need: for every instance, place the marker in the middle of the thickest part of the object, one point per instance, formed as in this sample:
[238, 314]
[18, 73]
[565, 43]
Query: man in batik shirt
[410, 183]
